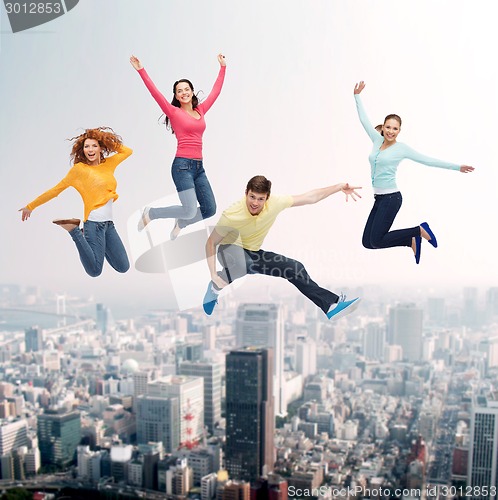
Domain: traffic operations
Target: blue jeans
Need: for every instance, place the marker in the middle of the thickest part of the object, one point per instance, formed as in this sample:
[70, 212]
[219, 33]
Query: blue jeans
[238, 262]
[193, 186]
[99, 240]
[376, 233]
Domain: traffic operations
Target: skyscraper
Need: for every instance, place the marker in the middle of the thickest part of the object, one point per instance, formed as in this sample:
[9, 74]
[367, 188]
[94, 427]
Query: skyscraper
[250, 413]
[190, 394]
[262, 325]
[59, 433]
[305, 356]
[158, 421]
[140, 381]
[405, 329]
[483, 453]
[34, 339]
[374, 341]
[211, 373]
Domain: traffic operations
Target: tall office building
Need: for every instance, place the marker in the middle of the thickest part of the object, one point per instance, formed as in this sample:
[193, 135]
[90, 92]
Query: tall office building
[34, 339]
[211, 373]
[104, 318]
[250, 415]
[190, 394]
[191, 351]
[158, 421]
[59, 433]
[405, 329]
[140, 381]
[13, 435]
[305, 356]
[483, 453]
[262, 325]
[374, 341]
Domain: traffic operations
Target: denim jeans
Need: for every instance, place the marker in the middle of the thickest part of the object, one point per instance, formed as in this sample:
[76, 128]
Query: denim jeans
[99, 240]
[376, 233]
[238, 262]
[193, 186]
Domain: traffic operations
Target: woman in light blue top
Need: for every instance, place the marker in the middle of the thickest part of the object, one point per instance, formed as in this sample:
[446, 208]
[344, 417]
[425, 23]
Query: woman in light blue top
[384, 159]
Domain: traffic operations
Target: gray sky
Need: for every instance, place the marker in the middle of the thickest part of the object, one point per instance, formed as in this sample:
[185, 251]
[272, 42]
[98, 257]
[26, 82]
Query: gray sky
[286, 111]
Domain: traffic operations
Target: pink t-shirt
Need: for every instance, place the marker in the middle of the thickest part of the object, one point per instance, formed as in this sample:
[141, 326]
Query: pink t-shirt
[188, 130]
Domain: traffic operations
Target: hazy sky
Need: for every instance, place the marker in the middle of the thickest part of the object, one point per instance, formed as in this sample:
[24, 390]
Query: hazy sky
[286, 111]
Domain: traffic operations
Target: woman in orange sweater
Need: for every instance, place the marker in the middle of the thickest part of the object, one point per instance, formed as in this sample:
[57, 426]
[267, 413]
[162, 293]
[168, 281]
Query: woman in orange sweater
[92, 175]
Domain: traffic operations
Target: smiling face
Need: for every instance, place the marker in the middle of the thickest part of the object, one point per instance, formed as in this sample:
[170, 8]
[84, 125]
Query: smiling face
[92, 150]
[183, 93]
[391, 129]
[255, 202]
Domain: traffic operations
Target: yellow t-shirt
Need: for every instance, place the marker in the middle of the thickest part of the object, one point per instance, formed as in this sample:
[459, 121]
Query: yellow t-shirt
[239, 227]
[96, 184]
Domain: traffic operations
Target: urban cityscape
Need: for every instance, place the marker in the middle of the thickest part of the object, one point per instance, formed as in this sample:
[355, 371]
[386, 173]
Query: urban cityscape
[260, 400]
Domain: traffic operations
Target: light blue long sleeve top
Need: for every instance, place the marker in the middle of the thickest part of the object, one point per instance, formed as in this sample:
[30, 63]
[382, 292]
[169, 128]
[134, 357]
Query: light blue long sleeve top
[384, 164]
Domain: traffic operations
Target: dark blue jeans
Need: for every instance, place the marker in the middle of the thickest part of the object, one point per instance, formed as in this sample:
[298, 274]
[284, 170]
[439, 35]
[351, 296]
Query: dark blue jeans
[99, 240]
[238, 262]
[193, 186]
[376, 233]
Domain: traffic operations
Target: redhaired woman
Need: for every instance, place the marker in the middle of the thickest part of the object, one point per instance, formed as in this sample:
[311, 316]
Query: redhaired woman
[185, 116]
[92, 175]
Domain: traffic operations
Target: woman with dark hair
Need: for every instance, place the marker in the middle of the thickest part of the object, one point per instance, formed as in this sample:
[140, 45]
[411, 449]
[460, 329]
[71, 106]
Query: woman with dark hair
[185, 116]
[92, 175]
[384, 159]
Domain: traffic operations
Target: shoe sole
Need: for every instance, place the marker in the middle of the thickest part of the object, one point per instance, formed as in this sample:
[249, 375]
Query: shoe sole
[347, 310]
[59, 222]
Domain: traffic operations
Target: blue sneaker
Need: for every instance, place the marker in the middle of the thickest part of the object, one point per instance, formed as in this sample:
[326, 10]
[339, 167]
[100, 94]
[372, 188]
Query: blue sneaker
[210, 300]
[343, 307]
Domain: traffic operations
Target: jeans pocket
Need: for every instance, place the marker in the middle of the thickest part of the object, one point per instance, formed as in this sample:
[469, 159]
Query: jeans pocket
[181, 164]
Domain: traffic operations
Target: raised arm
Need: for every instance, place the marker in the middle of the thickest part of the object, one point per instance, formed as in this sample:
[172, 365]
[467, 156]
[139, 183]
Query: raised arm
[218, 84]
[159, 98]
[316, 195]
[411, 154]
[122, 153]
[372, 133]
[211, 246]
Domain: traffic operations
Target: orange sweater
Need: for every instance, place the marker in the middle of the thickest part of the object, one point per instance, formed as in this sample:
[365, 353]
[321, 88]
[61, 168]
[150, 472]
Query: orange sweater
[96, 184]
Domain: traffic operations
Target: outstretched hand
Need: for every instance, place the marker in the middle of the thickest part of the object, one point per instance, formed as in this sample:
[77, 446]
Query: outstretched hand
[465, 169]
[359, 87]
[26, 213]
[135, 62]
[351, 191]
[221, 60]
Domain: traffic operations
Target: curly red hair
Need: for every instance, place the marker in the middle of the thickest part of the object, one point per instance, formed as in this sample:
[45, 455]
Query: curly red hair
[108, 140]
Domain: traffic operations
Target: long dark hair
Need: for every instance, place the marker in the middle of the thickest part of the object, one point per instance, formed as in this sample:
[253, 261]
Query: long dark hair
[175, 102]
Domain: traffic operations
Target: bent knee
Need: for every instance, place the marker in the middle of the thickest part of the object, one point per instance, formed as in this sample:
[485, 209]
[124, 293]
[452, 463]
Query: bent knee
[94, 273]
[124, 268]
[210, 211]
[190, 212]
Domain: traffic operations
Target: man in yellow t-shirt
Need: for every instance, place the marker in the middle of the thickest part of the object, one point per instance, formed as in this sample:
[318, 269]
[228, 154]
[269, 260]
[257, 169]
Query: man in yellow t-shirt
[240, 232]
